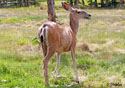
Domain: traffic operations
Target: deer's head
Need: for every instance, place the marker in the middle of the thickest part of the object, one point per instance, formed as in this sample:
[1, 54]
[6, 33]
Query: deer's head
[76, 13]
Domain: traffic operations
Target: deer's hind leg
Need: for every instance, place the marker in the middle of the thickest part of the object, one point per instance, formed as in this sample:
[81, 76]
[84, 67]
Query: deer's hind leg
[50, 52]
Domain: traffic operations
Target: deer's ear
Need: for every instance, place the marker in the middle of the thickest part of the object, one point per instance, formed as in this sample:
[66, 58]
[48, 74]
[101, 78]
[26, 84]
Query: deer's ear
[66, 6]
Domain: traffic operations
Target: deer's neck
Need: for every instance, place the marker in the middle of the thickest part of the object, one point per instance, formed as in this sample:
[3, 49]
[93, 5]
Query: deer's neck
[74, 23]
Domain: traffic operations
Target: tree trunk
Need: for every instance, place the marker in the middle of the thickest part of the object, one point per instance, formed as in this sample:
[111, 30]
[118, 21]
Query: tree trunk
[76, 2]
[91, 2]
[51, 11]
[102, 3]
[34, 3]
[113, 3]
[96, 3]
[121, 3]
[20, 3]
[107, 3]
[83, 3]
[27, 3]
[71, 2]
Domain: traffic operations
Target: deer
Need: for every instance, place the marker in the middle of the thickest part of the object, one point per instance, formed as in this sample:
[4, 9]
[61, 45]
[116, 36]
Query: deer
[56, 38]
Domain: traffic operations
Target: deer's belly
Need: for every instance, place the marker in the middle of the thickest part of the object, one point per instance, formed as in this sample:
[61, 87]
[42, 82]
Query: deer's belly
[62, 49]
[65, 44]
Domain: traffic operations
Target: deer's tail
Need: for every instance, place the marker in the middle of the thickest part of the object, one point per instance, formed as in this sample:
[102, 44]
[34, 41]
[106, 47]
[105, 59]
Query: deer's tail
[43, 37]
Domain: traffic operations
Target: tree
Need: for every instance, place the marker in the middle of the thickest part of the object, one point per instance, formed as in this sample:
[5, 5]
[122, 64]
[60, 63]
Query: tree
[51, 10]
[121, 3]
[114, 3]
[91, 2]
[71, 2]
[83, 2]
[107, 3]
[20, 3]
[26, 3]
[102, 3]
[76, 2]
[96, 5]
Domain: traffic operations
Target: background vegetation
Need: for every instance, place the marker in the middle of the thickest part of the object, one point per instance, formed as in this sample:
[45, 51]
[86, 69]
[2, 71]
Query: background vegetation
[21, 59]
[75, 3]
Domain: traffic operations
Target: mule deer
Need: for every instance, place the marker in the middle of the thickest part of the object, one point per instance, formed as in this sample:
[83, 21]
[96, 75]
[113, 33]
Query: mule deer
[58, 39]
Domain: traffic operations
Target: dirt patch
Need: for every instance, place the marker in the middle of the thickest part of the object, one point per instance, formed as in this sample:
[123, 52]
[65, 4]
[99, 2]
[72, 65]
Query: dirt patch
[84, 46]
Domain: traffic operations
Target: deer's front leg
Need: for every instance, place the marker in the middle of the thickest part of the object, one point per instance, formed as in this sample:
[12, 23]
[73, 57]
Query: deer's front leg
[74, 64]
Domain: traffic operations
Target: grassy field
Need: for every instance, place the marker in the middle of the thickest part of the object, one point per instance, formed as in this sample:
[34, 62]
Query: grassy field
[21, 59]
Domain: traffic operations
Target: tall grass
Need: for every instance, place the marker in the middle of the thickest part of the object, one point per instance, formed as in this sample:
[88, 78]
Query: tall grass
[21, 59]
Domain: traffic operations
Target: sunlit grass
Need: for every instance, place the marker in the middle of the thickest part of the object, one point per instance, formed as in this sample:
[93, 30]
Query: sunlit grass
[21, 59]
[24, 19]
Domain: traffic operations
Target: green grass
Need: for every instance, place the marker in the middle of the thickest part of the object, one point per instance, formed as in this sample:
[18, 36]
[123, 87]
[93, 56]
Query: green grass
[24, 19]
[21, 60]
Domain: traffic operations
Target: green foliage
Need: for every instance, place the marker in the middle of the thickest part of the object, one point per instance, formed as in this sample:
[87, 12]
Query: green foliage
[35, 42]
[21, 42]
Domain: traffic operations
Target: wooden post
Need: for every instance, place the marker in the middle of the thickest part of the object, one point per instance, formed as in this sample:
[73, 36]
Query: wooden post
[51, 11]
